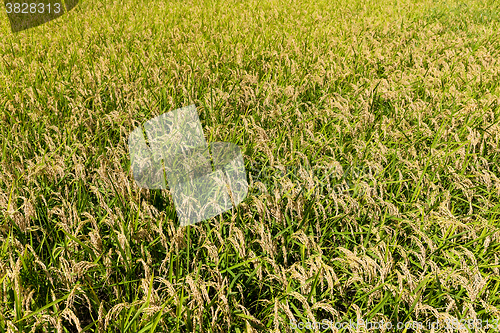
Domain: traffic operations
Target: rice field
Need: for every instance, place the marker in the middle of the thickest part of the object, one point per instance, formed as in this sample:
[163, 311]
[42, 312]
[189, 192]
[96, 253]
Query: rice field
[371, 139]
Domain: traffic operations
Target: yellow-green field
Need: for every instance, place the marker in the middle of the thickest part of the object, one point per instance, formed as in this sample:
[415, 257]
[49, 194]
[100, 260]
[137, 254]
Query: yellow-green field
[370, 133]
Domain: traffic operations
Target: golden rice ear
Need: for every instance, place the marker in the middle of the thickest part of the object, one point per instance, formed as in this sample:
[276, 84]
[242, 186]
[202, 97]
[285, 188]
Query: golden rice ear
[227, 158]
[24, 15]
[145, 163]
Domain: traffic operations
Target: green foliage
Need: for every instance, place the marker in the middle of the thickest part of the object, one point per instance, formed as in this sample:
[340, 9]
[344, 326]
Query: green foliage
[370, 133]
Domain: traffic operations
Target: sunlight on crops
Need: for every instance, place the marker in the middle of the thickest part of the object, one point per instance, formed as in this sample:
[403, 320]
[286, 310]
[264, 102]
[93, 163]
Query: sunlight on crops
[377, 126]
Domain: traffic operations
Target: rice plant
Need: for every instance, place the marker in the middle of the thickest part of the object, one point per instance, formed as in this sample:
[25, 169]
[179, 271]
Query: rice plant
[370, 134]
